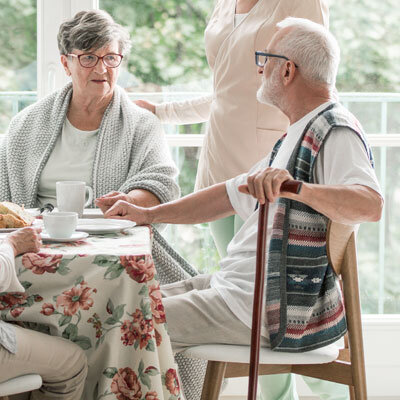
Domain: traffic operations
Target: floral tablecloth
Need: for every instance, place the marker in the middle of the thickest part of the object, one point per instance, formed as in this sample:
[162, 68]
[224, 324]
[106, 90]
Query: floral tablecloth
[102, 293]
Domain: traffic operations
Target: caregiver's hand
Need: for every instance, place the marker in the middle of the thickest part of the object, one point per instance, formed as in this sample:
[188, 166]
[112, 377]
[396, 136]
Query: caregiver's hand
[147, 105]
[124, 210]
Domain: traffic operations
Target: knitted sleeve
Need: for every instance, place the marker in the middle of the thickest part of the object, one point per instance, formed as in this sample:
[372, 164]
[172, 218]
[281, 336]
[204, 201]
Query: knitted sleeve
[5, 194]
[151, 166]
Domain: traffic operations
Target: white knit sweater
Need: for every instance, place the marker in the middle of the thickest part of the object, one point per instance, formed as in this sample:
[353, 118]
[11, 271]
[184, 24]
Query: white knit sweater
[131, 151]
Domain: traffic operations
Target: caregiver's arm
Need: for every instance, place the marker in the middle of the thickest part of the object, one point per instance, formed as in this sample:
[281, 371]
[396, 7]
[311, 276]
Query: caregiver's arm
[191, 111]
[203, 206]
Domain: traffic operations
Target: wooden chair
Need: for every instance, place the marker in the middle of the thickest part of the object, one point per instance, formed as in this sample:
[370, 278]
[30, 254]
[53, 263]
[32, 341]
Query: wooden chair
[20, 384]
[345, 365]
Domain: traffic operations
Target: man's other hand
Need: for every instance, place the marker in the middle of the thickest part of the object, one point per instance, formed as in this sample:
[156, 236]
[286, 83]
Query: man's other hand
[108, 200]
[124, 210]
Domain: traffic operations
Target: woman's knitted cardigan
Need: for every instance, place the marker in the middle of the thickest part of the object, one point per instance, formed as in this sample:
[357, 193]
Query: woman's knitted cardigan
[131, 151]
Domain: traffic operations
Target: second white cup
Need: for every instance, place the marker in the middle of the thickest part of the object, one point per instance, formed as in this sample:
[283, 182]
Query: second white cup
[71, 196]
[60, 225]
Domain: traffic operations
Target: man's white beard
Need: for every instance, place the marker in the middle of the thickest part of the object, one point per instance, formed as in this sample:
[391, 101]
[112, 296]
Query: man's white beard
[270, 90]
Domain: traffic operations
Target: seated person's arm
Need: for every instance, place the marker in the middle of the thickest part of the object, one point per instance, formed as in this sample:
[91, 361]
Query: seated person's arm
[347, 190]
[203, 206]
[21, 241]
[346, 204]
[140, 197]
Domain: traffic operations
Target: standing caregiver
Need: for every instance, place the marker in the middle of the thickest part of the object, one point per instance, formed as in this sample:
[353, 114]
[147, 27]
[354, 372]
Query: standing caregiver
[241, 130]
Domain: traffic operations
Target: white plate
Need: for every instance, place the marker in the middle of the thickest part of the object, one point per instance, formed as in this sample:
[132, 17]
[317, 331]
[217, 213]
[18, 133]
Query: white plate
[75, 237]
[92, 213]
[103, 225]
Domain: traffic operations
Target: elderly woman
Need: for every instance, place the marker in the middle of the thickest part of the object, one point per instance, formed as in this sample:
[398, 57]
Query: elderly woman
[89, 130]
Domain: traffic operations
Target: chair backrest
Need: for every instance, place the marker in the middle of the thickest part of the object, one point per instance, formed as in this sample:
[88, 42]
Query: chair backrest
[338, 238]
[341, 249]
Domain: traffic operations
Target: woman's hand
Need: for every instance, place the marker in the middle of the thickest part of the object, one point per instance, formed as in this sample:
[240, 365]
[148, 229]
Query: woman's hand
[147, 105]
[109, 199]
[25, 240]
[266, 184]
[124, 210]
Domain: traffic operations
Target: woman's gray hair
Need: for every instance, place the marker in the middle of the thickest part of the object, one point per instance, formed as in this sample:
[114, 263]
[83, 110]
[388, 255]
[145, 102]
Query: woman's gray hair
[92, 30]
[312, 47]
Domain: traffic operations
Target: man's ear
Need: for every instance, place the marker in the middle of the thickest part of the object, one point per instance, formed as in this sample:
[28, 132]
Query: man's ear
[289, 72]
[64, 62]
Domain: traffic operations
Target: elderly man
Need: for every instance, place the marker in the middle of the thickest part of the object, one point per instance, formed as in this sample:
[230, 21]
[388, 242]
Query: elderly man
[61, 363]
[326, 149]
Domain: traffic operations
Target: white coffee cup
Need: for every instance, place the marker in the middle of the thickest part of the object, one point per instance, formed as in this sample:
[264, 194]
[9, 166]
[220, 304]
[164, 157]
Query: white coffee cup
[60, 225]
[71, 196]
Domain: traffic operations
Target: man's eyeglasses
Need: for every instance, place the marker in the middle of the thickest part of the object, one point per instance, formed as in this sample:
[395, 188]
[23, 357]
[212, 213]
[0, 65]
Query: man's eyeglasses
[91, 60]
[262, 58]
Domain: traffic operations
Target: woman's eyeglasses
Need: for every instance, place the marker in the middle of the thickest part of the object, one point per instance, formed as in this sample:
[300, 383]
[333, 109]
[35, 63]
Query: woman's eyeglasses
[91, 60]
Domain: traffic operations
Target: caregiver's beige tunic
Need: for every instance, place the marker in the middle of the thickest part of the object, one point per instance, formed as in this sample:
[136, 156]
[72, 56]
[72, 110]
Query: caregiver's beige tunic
[241, 130]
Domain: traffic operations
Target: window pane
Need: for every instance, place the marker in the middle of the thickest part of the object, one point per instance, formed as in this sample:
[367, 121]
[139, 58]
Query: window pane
[369, 39]
[194, 242]
[378, 243]
[168, 47]
[18, 60]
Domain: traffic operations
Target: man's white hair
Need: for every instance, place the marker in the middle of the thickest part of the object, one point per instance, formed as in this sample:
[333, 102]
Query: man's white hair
[312, 47]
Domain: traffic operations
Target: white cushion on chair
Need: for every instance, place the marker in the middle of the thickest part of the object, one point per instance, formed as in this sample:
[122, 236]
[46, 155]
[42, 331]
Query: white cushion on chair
[20, 384]
[241, 354]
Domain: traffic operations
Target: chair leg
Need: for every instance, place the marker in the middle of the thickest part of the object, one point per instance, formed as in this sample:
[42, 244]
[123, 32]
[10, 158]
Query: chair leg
[213, 380]
[351, 392]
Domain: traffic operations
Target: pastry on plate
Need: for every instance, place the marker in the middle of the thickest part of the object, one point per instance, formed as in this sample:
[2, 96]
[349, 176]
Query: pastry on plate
[14, 216]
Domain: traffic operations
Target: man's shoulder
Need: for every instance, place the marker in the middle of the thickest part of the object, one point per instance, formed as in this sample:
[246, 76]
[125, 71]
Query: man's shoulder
[338, 115]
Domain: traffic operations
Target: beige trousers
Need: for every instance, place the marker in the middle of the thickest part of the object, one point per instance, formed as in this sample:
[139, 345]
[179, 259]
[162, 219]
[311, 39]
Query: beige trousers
[196, 314]
[61, 364]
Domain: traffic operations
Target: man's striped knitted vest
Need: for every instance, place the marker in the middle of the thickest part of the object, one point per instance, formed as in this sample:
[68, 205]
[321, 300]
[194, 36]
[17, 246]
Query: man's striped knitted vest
[304, 309]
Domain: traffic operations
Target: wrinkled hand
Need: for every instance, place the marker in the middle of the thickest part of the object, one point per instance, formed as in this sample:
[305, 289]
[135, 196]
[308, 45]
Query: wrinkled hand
[124, 210]
[147, 105]
[266, 184]
[109, 199]
[25, 240]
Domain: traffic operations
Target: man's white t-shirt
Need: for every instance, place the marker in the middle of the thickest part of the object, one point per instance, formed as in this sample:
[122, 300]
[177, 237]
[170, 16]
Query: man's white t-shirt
[342, 160]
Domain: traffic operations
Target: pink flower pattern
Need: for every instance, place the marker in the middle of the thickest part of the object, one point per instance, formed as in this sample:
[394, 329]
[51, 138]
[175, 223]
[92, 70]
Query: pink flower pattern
[139, 268]
[125, 385]
[75, 298]
[137, 329]
[40, 263]
[157, 307]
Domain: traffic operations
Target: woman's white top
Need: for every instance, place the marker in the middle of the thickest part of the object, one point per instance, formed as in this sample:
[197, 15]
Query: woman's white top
[71, 160]
[241, 131]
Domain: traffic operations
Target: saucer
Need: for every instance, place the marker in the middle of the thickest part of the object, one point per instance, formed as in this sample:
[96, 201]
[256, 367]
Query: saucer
[75, 237]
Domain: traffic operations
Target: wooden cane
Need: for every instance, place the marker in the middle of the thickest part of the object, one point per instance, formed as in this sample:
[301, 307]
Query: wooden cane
[291, 186]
